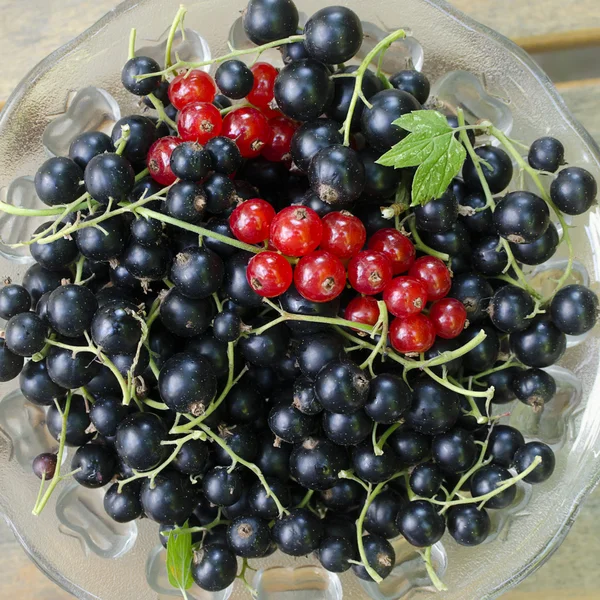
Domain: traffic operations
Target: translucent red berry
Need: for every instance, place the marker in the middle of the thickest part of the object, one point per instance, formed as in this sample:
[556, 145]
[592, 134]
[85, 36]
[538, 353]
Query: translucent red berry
[320, 276]
[278, 149]
[362, 309]
[343, 234]
[269, 274]
[251, 220]
[194, 86]
[369, 272]
[414, 334]
[396, 246]
[405, 296]
[249, 129]
[296, 230]
[449, 317]
[434, 274]
[199, 122]
[264, 82]
[159, 159]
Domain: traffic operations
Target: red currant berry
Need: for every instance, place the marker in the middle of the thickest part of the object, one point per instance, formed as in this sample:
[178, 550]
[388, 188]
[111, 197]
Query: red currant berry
[296, 230]
[269, 274]
[159, 159]
[250, 221]
[320, 276]
[405, 296]
[264, 82]
[278, 150]
[397, 247]
[362, 309]
[199, 122]
[369, 272]
[195, 86]
[343, 234]
[249, 129]
[414, 334]
[449, 317]
[434, 274]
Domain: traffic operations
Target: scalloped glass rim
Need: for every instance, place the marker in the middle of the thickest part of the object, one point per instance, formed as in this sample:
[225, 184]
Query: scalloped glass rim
[585, 142]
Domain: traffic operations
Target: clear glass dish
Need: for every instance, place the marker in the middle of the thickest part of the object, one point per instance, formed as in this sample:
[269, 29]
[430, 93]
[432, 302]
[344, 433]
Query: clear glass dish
[73, 542]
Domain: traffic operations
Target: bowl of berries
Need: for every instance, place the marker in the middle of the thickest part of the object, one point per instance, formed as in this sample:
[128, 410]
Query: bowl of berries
[298, 301]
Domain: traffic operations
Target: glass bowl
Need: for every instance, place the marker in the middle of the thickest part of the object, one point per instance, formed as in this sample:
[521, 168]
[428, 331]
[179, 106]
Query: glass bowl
[74, 543]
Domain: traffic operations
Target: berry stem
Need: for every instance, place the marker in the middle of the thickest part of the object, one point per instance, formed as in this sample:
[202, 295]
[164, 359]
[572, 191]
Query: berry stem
[371, 495]
[122, 141]
[79, 269]
[437, 582]
[349, 474]
[386, 434]
[242, 577]
[382, 322]
[420, 245]
[509, 363]
[178, 20]
[40, 503]
[458, 389]
[251, 466]
[381, 47]
[132, 34]
[142, 174]
[21, 211]
[306, 499]
[162, 115]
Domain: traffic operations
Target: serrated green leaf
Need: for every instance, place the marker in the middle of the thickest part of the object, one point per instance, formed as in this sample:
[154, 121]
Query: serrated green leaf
[432, 147]
[179, 559]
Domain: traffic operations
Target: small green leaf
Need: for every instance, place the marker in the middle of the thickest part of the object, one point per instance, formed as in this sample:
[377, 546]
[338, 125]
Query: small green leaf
[179, 559]
[432, 147]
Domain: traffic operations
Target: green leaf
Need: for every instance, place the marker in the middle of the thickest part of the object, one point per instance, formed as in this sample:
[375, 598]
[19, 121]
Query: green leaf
[432, 147]
[179, 559]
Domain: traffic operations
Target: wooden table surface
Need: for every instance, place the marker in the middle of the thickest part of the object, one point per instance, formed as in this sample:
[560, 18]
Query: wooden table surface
[33, 28]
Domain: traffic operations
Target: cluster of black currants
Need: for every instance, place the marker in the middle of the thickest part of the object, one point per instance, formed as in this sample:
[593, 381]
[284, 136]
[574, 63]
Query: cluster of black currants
[280, 425]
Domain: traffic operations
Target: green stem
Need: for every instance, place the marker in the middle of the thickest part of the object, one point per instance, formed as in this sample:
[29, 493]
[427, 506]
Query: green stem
[39, 505]
[306, 499]
[350, 475]
[141, 175]
[381, 47]
[122, 141]
[359, 531]
[437, 582]
[386, 434]
[420, 245]
[489, 393]
[251, 466]
[21, 211]
[160, 109]
[509, 363]
[79, 269]
[131, 53]
[382, 322]
[179, 16]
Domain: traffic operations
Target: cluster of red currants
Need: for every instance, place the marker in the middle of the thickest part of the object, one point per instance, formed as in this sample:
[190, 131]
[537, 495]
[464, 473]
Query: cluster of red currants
[332, 250]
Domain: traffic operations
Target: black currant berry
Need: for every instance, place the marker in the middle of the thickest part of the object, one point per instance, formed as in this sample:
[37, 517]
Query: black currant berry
[438, 215]
[489, 256]
[413, 82]
[298, 533]
[197, 272]
[525, 456]
[574, 309]
[191, 162]
[123, 506]
[345, 495]
[186, 201]
[475, 292]
[316, 462]
[25, 334]
[109, 177]
[59, 181]
[273, 458]
[474, 215]
[289, 424]
[303, 89]
[389, 398]
[44, 465]
[337, 175]
[227, 326]
[376, 122]
[139, 438]
[220, 193]
[234, 79]
[142, 134]
[546, 154]
[104, 244]
[380, 181]
[214, 567]
[485, 354]
[371, 467]
[150, 263]
[503, 443]
[212, 350]
[222, 249]
[224, 154]
[574, 190]
[55, 255]
[410, 447]
[426, 479]
[342, 387]
[261, 501]
[468, 525]
[10, 363]
[296, 304]
[380, 556]
[335, 552]
[77, 422]
[14, 299]
[488, 479]
[140, 65]
[454, 451]
[540, 251]
[96, 464]
[107, 413]
[440, 346]
[265, 348]
[185, 317]
[521, 217]
[249, 536]
[71, 371]
[497, 178]
[419, 522]
[502, 381]
[534, 387]
[540, 345]
[36, 385]
[269, 20]
[510, 308]
[434, 408]
[311, 137]
[87, 145]
[71, 309]
[168, 497]
[347, 430]
[456, 241]
[382, 512]
[116, 329]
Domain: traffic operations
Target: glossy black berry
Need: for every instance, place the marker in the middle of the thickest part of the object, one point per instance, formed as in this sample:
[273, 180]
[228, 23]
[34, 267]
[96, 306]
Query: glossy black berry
[77, 422]
[389, 398]
[249, 536]
[264, 348]
[434, 408]
[475, 292]
[234, 79]
[211, 349]
[109, 177]
[333, 35]
[25, 334]
[574, 190]
[380, 181]
[345, 495]
[317, 350]
[540, 345]
[342, 387]
[485, 354]
[574, 309]
[371, 467]
[413, 82]
[303, 89]
[503, 443]
[502, 381]
[426, 479]
[540, 251]
[510, 308]
[316, 462]
[222, 488]
[380, 556]
[191, 162]
[521, 217]
[140, 65]
[214, 567]
[10, 363]
[227, 326]
[221, 226]
[192, 458]
[71, 309]
[115, 328]
[474, 216]
[185, 317]
[142, 134]
[55, 255]
[168, 498]
[347, 430]
[150, 263]
[123, 506]
[269, 20]
[262, 503]
[107, 413]
[224, 154]
[525, 456]
[382, 512]
[58, 181]
[468, 525]
[420, 523]
[439, 347]
[14, 299]
[534, 387]
[305, 398]
[96, 464]
[411, 447]
[220, 193]
[454, 451]
[335, 552]
[376, 122]
[197, 272]
[437, 215]
[44, 465]
[289, 424]
[104, 244]
[293, 51]
[488, 479]
[273, 458]
[489, 256]
[139, 438]
[298, 533]
[546, 154]
[311, 137]
[36, 385]
[497, 178]
[87, 145]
